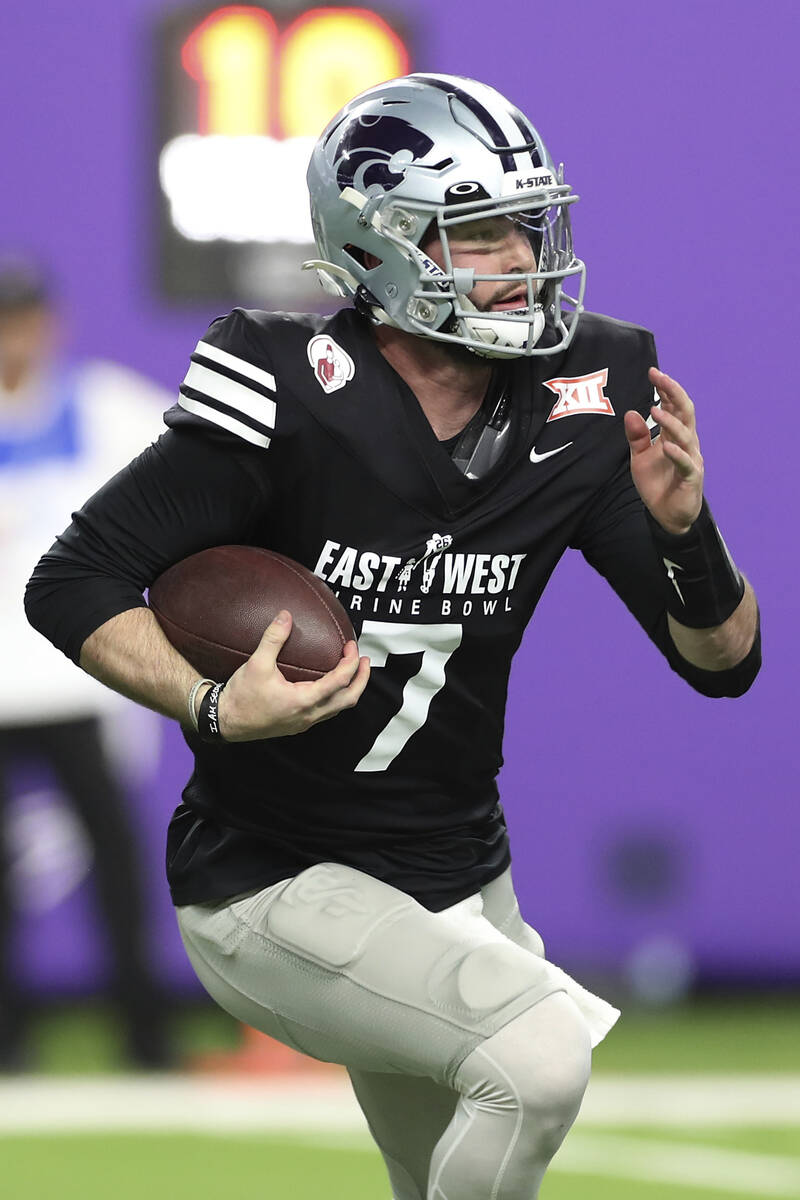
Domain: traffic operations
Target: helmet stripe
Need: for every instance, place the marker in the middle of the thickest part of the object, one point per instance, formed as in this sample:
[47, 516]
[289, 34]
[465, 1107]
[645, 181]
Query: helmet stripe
[529, 134]
[491, 126]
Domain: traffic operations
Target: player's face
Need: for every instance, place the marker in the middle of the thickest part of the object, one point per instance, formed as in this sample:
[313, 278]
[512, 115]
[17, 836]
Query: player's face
[492, 246]
[26, 338]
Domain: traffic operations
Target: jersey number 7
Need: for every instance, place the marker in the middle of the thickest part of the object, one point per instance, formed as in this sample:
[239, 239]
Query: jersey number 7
[379, 639]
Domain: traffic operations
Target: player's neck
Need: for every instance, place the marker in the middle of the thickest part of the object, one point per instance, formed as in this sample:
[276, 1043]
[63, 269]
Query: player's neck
[449, 383]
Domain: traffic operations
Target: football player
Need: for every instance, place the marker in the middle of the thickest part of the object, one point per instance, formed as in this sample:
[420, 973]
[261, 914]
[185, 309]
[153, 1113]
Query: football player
[430, 451]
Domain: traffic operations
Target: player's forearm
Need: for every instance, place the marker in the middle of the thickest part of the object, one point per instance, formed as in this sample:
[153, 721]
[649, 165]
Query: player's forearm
[722, 646]
[131, 654]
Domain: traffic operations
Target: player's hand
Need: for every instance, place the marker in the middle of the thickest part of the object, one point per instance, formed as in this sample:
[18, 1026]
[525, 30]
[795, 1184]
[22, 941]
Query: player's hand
[259, 702]
[668, 472]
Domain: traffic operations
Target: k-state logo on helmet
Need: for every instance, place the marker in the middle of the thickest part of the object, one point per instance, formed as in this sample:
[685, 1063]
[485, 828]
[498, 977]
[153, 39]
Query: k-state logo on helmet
[582, 394]
[332, 365]
[378, 150]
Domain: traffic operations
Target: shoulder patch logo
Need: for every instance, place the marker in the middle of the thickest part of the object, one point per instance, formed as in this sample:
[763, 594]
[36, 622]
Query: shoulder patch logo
[332, 365]
[583, 394]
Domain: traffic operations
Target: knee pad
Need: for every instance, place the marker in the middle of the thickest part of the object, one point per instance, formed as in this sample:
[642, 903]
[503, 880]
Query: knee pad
[539, 1062]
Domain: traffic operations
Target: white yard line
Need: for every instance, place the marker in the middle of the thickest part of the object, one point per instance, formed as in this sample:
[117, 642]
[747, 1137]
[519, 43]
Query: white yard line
[696, 1100]
[226, 1103]
[734, 1171]
[177, 1103]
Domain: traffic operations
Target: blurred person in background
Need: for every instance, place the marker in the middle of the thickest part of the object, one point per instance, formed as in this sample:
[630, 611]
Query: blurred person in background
[63, 428]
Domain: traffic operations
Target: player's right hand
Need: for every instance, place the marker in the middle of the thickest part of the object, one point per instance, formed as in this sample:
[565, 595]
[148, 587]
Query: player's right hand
[259, 702]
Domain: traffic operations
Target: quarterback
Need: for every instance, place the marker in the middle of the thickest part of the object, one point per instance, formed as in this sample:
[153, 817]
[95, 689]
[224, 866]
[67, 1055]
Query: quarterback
[430, 451]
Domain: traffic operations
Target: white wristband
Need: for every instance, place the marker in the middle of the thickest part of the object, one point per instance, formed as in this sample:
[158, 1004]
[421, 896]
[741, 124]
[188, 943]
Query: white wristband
[193, 696]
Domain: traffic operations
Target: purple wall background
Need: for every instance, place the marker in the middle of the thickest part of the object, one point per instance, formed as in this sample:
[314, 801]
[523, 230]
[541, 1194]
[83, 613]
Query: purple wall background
[678, 128]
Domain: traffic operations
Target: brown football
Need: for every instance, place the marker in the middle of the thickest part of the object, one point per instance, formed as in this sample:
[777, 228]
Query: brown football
[214, 607]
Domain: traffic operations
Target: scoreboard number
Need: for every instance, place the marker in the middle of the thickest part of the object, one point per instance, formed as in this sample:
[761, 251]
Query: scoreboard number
[244, 93]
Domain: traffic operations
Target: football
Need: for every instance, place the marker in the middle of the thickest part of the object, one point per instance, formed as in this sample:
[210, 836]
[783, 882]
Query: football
[214, 607]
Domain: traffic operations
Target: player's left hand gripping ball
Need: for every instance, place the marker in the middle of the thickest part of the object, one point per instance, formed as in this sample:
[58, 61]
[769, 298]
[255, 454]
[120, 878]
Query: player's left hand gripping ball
[667, 471]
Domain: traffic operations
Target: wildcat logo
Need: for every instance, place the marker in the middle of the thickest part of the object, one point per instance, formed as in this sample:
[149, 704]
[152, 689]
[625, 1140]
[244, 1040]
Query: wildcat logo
[332, 365]
[379, 150]
[583, 394]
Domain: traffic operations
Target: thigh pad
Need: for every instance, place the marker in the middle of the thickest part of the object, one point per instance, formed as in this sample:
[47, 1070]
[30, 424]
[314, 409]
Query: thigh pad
[477, 980]
[329, 911]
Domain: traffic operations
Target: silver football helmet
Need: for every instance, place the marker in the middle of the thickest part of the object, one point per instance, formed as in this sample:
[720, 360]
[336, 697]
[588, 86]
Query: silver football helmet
[419, 156]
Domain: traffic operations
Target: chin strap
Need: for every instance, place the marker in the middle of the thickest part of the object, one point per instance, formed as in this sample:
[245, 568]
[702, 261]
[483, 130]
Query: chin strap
[495, 331]
[366, 304]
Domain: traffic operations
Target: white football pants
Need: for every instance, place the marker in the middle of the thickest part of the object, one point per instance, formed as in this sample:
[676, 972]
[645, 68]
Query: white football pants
[469, 1053]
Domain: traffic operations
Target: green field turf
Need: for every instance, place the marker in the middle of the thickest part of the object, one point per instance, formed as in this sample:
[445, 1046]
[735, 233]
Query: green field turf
[130, 1167]
[740, 1036]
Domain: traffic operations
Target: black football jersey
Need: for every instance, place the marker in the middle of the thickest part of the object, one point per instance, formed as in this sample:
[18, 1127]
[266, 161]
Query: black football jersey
[292, 432]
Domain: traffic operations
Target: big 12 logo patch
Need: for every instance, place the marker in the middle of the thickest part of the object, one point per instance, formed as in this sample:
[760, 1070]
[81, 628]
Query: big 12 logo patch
[581, 394]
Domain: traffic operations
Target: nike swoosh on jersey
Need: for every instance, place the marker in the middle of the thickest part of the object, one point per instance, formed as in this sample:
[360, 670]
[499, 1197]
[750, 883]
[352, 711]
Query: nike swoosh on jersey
[537, 458]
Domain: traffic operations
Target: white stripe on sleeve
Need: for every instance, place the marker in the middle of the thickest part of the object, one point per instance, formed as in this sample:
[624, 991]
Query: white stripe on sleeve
[236, 364]
[235, 395]
[230, 423]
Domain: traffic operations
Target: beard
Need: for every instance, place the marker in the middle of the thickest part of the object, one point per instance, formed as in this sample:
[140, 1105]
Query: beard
[464, 356]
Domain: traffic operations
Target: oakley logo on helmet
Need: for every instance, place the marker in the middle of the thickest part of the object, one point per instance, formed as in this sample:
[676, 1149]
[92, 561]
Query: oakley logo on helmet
[461, 193]
[375, 149]
[332, 365]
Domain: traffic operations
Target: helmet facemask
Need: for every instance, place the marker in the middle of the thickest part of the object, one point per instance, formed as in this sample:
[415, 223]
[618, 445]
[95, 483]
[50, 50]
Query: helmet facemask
[513, 332]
